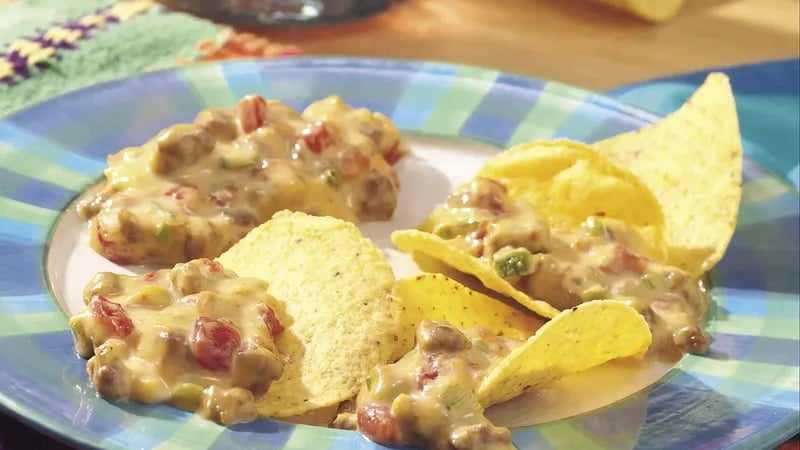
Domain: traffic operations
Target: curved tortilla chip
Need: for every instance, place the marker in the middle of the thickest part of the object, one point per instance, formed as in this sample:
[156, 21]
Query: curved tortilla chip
[437, 297]
[336, 285]
[569, 181]
[577, 339]
[430, 244]
[692, 161]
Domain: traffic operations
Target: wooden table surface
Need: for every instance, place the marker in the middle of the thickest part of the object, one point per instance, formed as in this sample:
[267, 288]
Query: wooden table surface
[573, 41]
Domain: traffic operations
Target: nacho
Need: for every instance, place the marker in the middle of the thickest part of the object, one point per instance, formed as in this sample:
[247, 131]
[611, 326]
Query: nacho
[420, 241]
[509, 246]
[569, 181]
[436, 297]
[435, 396]
[692, 161]
[575, 340]
[195, 189]
[195, 336]
[336, 285]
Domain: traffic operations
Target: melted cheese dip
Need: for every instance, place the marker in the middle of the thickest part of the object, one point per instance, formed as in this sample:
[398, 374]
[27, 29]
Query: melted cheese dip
[196, 189]
[427, 398]
[196, 336]
[605, 259]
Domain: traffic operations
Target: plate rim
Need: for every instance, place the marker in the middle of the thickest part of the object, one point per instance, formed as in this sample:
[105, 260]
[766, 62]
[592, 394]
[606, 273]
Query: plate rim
[47, 426]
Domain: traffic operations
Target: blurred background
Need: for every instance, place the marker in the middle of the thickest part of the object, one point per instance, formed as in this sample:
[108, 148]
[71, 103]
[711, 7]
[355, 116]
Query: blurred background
[592, 43]
[56, 45]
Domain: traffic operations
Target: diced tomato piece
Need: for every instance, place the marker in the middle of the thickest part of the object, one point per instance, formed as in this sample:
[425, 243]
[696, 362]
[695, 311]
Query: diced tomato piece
[625, 260]
[108, 248]
[175, 192]
[393, 154]
[631, 261]
[213, 266]
[187, 196]
[221, 197]
[317, 136]
[378, 424]
[495, 205]
[354, 163]
[252, 112]
[150, 276]
[116, 258]
[479, 239]
[489, 195]
[112, 314]
[428, 371]
[273, 323]
[105, 243]
[179, 192]
[214, 342]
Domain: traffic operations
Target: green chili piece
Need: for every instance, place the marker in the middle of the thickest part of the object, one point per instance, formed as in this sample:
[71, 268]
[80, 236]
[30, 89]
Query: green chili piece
[187, 396]
[593, 226]
[83, 345]
[163, 235]
[513, 262]
[239, 157]
[444, 231]
[595, 292]
[459, 401]
[332, 176]
[452, 230]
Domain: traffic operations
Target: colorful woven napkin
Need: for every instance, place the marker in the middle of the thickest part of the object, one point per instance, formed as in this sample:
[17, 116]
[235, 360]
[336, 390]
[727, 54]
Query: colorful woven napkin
[48, 47]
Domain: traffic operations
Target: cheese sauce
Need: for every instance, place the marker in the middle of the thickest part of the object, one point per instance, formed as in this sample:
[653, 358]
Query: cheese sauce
[605, 259]
[196, 189]
[196, 336]
[427, 398]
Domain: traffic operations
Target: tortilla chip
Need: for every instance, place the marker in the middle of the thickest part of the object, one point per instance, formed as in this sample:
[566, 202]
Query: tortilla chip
[692, 161]
[569, 181]
[577, 339]
[336, 285]
[436, 297]
[430, 244]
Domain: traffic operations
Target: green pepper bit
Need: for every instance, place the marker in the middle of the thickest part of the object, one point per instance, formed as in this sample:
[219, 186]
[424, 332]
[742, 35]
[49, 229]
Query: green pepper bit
[402, 406]
[444, 231]
[83, 345]
[648, 280]
[596, 292]
[593, 226]
[163, 235]
[451, 230]
[332, 176]
[239, 157]
[513, 262]
[459, 400]
[187, 396]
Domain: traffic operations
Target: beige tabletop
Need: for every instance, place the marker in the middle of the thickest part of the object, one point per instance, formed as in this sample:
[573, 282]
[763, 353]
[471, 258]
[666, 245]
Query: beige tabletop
[573, 41]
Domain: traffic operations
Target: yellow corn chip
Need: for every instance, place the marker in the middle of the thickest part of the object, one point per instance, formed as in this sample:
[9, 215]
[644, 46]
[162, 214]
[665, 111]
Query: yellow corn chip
[336, 285]
[577, 339]
[430, 244]
[569, 181]
[692, 161]
[437, 297]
